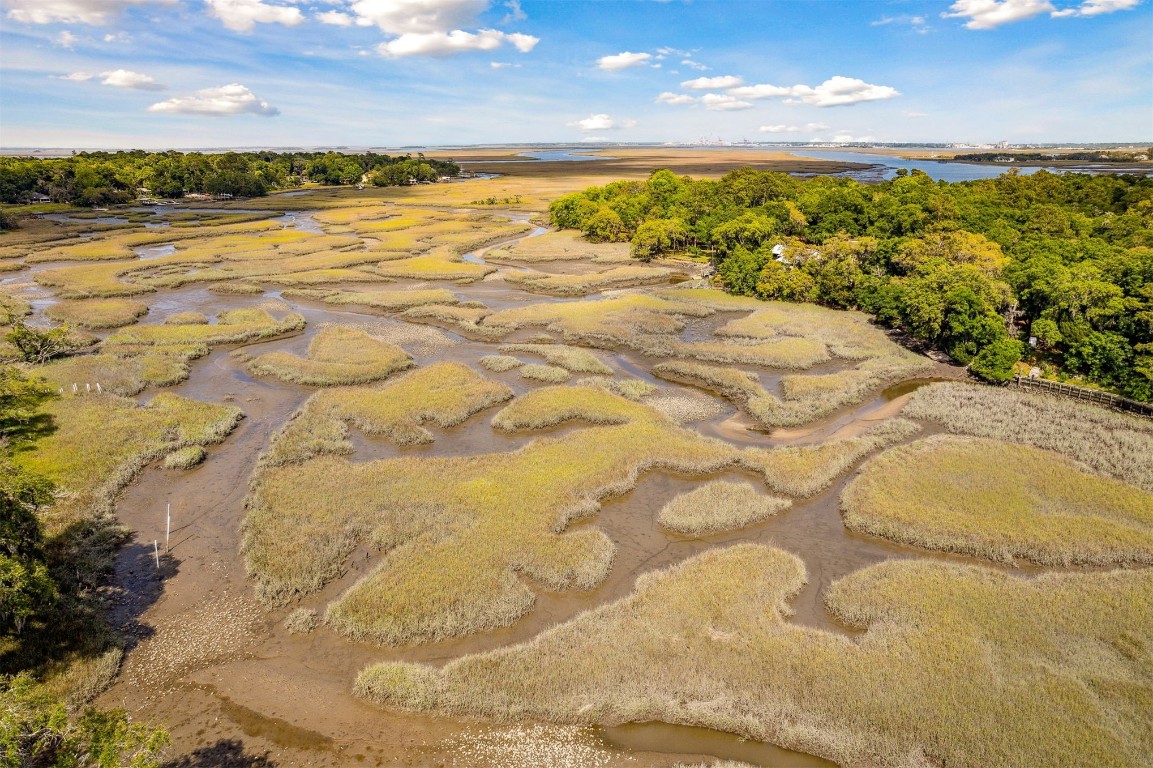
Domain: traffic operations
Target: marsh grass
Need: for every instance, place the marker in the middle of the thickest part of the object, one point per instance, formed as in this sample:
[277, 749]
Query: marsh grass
[124, 376]
[574, 359]
[1113, 444]
[102, 441]
[999, 501]
[633, 389]
[804, 470]
[301, 621]
[393, 300]
[186, 318]
[594, 282]
[438, 265]
[232, 326]
[185, 458]
[720, 505]
[609, 322]
[336, 356]
[550, 374]
[97, 313]
[103, 280]
[957, 665]
[499, 363]
[235, 289]
[458, 533]
[565, 245]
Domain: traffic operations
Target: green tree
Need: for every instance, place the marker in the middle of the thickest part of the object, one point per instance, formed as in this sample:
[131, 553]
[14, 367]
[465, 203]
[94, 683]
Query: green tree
[37, 731]
[995, 362]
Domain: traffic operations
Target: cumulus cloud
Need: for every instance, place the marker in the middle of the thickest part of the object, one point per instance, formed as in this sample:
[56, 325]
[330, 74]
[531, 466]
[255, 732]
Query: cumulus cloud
[452, 43]
[95, 12]
[835, 92]
[712, 83]
[126, 78]
[65, 39]
[623, 60]
[668, 97]
[232, 99]
[77, 77]
[990, 14]
[601, 122]
[722, 102]
[401, 17]
[335, 18]
[243, 15]
[693, 65]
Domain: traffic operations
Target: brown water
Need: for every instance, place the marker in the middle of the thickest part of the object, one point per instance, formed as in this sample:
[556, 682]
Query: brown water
[232, 684]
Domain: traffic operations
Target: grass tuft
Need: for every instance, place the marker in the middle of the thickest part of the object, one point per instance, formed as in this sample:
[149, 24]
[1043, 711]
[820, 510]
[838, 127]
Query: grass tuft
[97, 313]
[336, 356]
[185, 458]
[550, 374]
[721, 505]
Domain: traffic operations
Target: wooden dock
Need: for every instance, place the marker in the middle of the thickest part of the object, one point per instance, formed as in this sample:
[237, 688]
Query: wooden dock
[1073, 392]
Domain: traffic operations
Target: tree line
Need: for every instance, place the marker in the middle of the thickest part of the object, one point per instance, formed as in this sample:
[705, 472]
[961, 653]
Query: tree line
[1055, 269]
[108, 178]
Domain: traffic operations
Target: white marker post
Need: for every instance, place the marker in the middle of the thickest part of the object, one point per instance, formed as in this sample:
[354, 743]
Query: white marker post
[168, 529]
[156, 551]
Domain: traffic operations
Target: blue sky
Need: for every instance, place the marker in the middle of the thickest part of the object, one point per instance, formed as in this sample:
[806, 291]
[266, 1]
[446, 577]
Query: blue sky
[212, 73]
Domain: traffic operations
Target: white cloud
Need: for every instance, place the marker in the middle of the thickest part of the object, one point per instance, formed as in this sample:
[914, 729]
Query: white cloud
[515, 12]
[402, 17]
[523, 43]
[848, 138]
[623, 60]
[452, 43]
[917, 23]
[835, 92]
[65, 39]
[243, 15]
[1097, 7]
[95, 12]
[601, 122]
[807, 127]
[335, 18]
[77, 77]
[122, 38]
[126, 78]
[232, 99]
[708, 83]
[990, 14]
[668, 97]
[722, 102]
[693, 65]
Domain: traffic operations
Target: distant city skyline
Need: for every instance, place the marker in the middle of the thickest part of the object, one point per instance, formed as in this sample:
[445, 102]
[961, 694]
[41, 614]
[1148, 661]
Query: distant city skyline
[391, 73]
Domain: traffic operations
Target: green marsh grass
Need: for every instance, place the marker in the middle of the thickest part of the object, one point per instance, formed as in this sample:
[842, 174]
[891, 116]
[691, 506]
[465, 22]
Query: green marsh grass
[957, 665]
[118, 375]
[593, 282]
[336, 356]
[102, 441]
[97, 313]
[185, 458]
[232, 326]
[574, 359]
[999, 501]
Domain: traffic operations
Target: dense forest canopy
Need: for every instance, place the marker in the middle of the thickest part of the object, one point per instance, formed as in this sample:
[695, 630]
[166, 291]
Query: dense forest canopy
[975, 268]
[103, 178]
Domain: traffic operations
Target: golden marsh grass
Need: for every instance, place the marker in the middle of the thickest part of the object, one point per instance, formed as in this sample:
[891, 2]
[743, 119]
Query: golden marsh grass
[999, 501]
[336, 356]
[1045, 672]
[720, 505]
[97, 313]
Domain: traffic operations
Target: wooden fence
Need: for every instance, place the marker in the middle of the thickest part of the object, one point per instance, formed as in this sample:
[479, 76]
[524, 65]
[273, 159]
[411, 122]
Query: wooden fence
[1116, 402]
